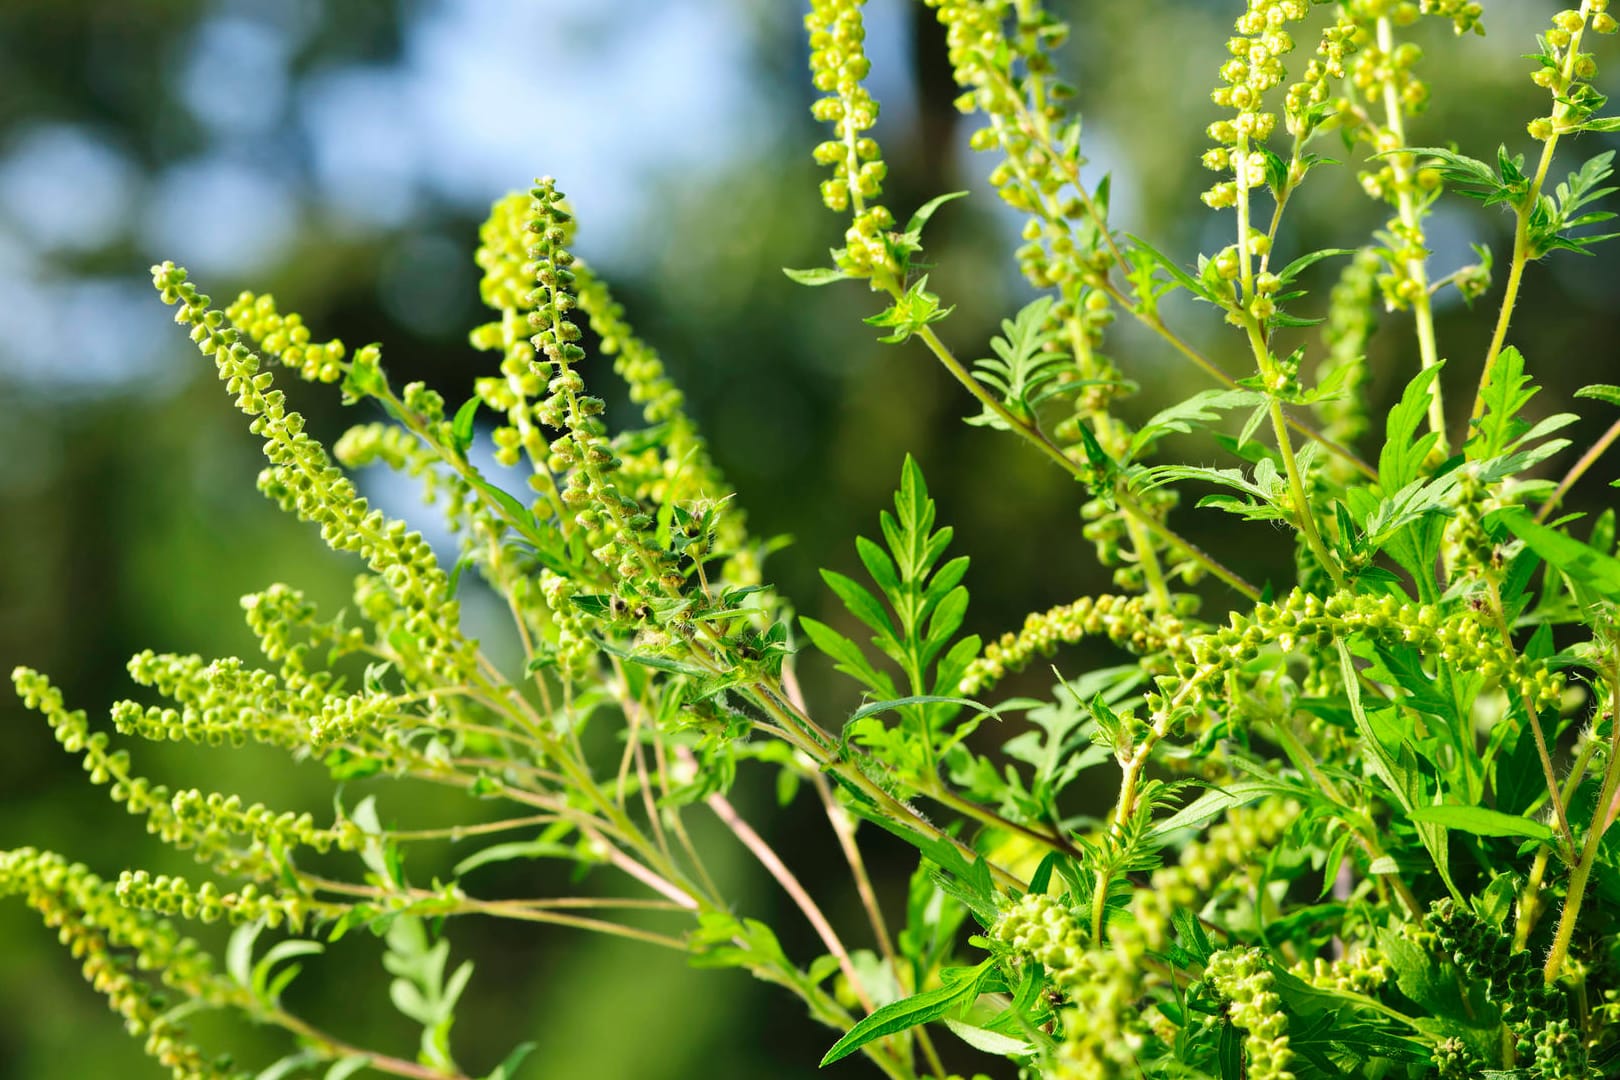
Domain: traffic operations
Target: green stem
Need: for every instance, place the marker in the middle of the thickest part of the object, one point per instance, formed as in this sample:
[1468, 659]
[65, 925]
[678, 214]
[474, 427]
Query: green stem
[1412, 221]
[1579, 470]
[1521, 225]
[1594, 834]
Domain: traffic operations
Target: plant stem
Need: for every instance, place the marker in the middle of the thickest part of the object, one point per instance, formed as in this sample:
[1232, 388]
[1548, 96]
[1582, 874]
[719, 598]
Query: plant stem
[1530, 895]
[1521, 224]
[1579, 470]
[1528, 700]
[790, 884]
[1412, 221]
[1285, 446]
[1594, 834]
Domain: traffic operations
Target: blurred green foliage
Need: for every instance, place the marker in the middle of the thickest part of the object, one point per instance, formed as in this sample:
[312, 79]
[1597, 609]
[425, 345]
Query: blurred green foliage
[128, 519]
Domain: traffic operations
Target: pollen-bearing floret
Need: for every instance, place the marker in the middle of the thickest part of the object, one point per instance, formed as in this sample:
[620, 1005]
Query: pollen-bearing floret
[1254, 69]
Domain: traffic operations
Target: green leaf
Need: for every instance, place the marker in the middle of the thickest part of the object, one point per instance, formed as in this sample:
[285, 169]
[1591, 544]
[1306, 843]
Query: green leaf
[1504, 395]
[508, 1068]
[915, 309]
[1299, 265]
[266, 983]
[848, 655]
[819, 276]
[1196, 411]
[239, 953]
[461, 428]
[1600, 392]
[927, 209]
[515, 849]
[1169, 266]
[860, 602]
[1215, 802]
[1481, 821]
[1401, 460]
[961, 989]
[990, 1042]
[1585, 565]
[876, 707]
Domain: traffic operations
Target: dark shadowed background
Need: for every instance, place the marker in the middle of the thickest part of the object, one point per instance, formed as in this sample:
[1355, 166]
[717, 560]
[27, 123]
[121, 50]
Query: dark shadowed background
[341, 156]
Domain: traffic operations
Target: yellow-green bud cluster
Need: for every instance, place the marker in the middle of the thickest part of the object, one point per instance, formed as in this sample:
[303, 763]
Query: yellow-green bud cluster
[1244, 979]
[1254, 69]
[1042, 928]
[678, 469]
[1461, 640]
[209, 824]
[506, 286]
[285, 338]
[1106, 1026]
[1127, 621]
[618, 528]
[1464, 14]
[285, 623]
[168, 895]
[302, 479]
[1360, 970]
[1215, 863]
[838, 66]
[113, 945]
[221, 703]
[1567, 72]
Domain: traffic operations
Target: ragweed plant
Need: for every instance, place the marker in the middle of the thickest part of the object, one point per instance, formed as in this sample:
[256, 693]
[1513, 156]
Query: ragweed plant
[1361, 821]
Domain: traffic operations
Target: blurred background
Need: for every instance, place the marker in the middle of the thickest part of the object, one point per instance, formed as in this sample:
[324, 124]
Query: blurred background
[342, 155]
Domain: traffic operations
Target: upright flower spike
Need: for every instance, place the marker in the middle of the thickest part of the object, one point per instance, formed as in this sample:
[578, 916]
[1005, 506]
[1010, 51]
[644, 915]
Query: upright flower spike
[838, 67]
[615, 522]
[1254, 69]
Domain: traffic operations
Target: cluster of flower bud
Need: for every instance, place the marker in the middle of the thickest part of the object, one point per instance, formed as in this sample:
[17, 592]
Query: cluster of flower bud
[838, 66]
[1127, 621]
[285, 623]
[1244, 979]
[1567, 72]
[1510, 978]
[286, 338]
[303, 480]
[164, 894]
[1301, 618]
[221, 703]
[1361, 970]
[1255, 67]
[1044, 929]
[1215, 863]
[114, 944]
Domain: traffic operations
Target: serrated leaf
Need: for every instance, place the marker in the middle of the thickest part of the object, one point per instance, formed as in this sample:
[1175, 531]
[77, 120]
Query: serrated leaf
[1600, 392]
[1403, 454]
[860, 603]
[1197, 410]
